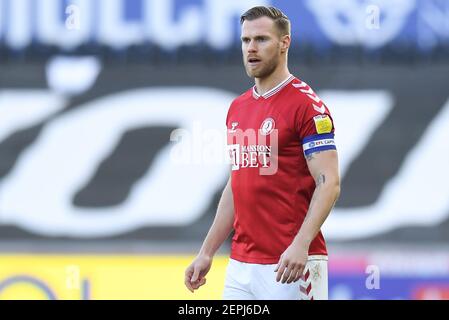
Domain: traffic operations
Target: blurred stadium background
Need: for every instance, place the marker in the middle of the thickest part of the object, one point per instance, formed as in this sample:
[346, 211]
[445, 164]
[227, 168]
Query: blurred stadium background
[94, 203]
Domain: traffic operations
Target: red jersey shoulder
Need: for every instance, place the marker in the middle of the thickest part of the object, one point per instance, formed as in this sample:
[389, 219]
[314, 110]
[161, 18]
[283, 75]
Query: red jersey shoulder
[243, 97]
[239, 101]
[307, 98]
[312, 116]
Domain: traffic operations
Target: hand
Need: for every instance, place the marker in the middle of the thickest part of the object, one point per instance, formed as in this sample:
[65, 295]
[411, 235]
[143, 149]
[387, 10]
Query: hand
[292, 263]
[196, 272]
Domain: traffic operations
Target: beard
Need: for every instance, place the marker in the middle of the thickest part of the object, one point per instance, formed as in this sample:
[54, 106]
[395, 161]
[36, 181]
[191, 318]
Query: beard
[264, 70]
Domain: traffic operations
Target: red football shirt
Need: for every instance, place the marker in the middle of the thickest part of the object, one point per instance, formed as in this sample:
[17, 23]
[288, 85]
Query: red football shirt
[268, 138]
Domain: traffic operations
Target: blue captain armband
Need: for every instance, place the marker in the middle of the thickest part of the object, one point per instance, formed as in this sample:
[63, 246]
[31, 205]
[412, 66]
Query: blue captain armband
[318, 142]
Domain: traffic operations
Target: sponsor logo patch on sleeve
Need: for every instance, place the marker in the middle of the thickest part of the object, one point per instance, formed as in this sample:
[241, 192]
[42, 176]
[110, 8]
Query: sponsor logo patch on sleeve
[323, 123]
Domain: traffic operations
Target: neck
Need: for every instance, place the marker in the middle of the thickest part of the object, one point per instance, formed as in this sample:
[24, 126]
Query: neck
[264, 85]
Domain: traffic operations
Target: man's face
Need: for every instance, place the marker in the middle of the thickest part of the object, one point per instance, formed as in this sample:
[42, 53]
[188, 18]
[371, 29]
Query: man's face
[261, 47]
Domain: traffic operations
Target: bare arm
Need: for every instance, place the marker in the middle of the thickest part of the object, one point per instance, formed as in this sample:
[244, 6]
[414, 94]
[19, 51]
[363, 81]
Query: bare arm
[222, 225]
[218, 233]
[323, 166]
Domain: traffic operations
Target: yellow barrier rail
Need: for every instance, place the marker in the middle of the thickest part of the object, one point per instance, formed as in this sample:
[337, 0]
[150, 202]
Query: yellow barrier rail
[103, 277]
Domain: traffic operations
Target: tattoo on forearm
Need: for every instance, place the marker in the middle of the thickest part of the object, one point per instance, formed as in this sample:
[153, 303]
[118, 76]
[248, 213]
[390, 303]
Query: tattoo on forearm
[310, 156]
[321, 179]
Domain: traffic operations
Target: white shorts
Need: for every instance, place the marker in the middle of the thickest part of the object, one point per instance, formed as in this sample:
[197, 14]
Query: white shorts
[249, 281]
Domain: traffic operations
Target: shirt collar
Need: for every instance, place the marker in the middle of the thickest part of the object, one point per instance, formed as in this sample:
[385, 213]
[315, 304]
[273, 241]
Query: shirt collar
[274, 90]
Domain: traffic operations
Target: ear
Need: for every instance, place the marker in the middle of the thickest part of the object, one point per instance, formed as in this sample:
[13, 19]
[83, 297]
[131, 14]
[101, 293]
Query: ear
[285, 43]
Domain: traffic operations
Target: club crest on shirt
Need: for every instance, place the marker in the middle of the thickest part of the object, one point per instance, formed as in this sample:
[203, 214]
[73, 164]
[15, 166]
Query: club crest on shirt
[267, 126]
